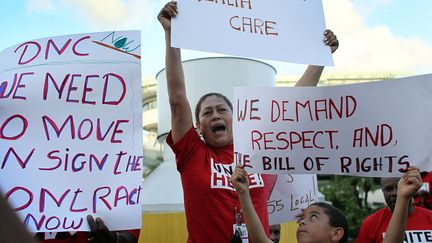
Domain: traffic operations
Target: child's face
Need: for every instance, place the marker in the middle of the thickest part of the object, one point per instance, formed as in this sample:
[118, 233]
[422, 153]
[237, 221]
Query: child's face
[314, 226]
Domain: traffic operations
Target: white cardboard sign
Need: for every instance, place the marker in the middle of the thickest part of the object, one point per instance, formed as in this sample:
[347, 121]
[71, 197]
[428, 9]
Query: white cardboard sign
[281, 30]
[290, 195]
[70, 130]
[370, 129]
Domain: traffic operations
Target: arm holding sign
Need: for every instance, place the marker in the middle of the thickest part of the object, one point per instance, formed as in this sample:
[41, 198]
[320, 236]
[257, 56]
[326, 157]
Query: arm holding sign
[181, 114]
[407, 186]
[313, 73]
[239, 180]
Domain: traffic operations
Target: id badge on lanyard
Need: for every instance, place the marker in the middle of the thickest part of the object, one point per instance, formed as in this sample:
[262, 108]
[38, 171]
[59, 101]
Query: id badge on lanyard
[240, 234]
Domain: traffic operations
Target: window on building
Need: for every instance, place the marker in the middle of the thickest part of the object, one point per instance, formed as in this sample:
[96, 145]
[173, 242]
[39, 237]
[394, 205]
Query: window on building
[149, 104]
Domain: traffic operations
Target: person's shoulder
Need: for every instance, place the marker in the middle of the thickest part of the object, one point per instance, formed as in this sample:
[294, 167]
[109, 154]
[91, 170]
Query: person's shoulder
[191, 134]
[372, 218]
[421, 216]
[423, 211]
[369, 227]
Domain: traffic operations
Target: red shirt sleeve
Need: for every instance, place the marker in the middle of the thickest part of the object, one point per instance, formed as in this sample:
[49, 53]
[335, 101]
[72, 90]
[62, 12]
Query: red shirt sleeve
[185, 147]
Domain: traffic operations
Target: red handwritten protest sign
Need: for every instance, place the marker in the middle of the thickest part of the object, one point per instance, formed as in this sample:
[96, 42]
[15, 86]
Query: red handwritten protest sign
[281, 30]
[291, 194]
[371, 129]
[70, 130]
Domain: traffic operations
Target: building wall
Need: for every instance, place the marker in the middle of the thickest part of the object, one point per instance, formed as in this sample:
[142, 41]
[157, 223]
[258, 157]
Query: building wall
[171, 228]
[163, 227]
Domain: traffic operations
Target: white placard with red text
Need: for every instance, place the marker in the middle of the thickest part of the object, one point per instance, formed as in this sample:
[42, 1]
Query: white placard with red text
[369, 129]
[71, 130]
[281, 30]
[290, 195]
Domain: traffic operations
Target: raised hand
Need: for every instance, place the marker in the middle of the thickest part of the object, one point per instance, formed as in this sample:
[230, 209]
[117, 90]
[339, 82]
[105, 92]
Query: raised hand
[239, 179]
[331, 40]
[167, 12]
[409, 183]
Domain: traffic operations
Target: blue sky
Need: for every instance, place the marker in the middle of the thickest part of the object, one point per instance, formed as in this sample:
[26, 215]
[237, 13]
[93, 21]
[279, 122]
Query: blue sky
[405, 18]
[375, 35]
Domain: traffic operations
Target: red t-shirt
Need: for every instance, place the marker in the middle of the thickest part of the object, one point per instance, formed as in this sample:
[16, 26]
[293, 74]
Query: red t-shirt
[72, 237]
[427, 200]
[209, 198]
[418, 227]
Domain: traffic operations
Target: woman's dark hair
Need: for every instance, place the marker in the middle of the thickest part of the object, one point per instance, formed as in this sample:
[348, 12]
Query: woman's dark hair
[336, 218]
[198, 106]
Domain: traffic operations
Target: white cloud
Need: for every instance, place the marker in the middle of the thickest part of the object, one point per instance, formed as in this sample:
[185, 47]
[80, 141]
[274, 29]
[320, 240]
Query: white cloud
[363, 48]
[116, 13]
[107, 11]
[40, 6]
[373, 49]
[365, 7]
